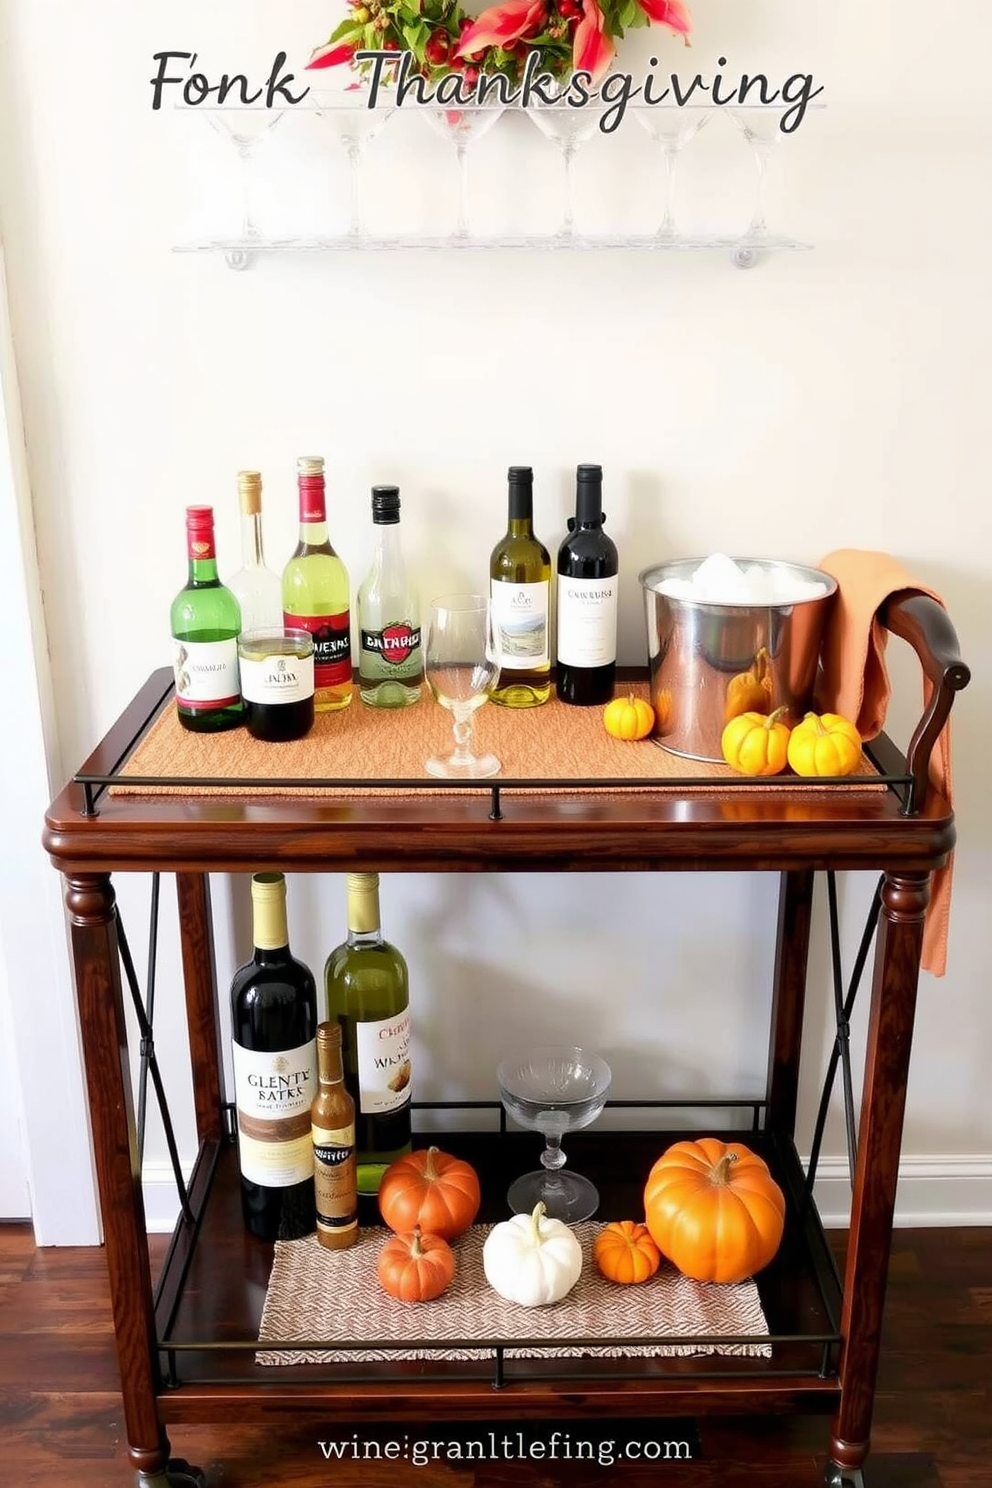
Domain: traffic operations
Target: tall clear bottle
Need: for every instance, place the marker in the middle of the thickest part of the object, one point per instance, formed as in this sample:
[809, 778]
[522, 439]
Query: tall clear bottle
[257, 589]
[520, 594]
[368, 993]
[332, 1125]
[390, 655]
[274, 1027]
[585, 670]
[316, 594]
[205, 623]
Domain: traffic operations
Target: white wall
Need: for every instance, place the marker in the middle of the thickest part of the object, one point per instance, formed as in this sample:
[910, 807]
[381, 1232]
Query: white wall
[824, 399]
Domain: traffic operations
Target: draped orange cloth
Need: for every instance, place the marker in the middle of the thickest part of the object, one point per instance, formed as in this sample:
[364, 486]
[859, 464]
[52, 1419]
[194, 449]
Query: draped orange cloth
[854, 681]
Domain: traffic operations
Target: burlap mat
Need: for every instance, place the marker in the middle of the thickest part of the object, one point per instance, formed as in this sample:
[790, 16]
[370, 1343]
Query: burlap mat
[553, 742]
[319, 1297]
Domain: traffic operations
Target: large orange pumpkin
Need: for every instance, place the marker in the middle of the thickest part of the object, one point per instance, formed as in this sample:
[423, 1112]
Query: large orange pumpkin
[432, 1189]
[415, 1268]
[714, 1210]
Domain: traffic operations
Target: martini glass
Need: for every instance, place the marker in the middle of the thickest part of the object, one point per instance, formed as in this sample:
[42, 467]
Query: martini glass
[568, 128]
[761, 128]
[554, 1090]
[671, 129]
[245, 128]
[355, 126]
[463, 126]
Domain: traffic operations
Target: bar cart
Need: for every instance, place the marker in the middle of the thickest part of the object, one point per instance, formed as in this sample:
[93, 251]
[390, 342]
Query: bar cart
[187, 1346]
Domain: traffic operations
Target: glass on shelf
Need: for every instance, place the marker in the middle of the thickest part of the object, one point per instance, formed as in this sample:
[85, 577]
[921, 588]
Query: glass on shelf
[344, 110]
[554, 1090]
[462, 662]
[245, 127]
[761, 126]
[671, 129]
[569, 128]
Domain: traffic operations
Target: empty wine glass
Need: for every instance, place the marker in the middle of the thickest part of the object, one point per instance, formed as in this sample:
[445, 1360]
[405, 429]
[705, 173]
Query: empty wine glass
[569, 128]
[461, 664]
[671, 129]
[761, 127]
[464, 126]
[553, 1091]
[355, 126]
[245, 127]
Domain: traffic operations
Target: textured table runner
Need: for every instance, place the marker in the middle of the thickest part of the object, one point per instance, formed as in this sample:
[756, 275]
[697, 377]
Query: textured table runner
[319, 1297]
[553, 742]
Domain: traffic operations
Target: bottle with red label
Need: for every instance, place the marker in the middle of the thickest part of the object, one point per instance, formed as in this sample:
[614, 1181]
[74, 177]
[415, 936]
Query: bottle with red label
[316, 594]
[205, 620]
[390, 655]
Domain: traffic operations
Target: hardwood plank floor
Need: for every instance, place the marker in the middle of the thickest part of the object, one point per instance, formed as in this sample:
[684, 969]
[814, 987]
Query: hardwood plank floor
[61, 1420]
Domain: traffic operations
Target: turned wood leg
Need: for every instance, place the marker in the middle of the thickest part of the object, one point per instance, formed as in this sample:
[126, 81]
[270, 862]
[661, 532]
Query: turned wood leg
[795, 905]
[200, 979]
[890, 1031]
[96, 968]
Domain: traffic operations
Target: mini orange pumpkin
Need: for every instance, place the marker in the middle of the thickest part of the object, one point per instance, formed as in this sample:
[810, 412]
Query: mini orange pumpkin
[417, 1267]
[628, 717]
[824, 744]
[714, 1210]
[432, 1189]
[750, 691]
[625, 1252]
[756, 743]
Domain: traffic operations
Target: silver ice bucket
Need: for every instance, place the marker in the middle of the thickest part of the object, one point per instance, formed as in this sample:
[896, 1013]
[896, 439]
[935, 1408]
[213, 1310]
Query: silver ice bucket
[710, 662]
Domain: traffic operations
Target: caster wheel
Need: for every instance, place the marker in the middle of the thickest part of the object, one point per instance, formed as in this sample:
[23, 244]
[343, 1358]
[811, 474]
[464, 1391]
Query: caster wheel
[178, 1474]
[843, 1477]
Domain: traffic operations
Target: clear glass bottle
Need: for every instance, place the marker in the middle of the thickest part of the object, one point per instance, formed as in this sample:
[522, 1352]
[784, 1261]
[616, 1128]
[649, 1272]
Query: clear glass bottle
[390, 654]
[585, 670]
[520, 594]
[274, 1026]
[332, 1126]
[316, 595]
[256, 588]
[205, 623]
[368, 993]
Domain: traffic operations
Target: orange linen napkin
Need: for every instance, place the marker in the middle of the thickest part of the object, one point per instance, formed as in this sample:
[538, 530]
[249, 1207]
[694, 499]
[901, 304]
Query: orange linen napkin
[853, 681]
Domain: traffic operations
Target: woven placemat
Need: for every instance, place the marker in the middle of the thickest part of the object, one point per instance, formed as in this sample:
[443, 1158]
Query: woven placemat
[320, 1297]
[553, 742]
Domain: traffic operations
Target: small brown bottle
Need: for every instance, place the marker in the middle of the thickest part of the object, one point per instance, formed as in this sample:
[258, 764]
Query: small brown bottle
[332, 1123]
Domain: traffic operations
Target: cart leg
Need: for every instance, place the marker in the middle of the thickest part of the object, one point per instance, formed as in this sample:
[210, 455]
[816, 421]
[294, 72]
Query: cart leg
[890, 1032]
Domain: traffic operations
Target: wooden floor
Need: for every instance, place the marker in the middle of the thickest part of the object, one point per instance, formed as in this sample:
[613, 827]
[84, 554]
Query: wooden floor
[61, 1424]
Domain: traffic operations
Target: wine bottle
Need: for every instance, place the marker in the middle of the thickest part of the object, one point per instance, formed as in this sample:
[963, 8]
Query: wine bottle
[332, 1124]
[520, 591]
[585, 668]
[390, 656]
[206, 621]
[274, 1026]
[315, 592]
[256, 588]
[368, 993]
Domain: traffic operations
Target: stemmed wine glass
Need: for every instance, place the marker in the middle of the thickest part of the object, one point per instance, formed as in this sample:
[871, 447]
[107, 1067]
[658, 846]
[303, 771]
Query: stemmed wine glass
[671, 129]
[553, 1091]
[461, 664]
[761, 127]
[245, 127]
[568, 128]
[355, 126]
[464, 125]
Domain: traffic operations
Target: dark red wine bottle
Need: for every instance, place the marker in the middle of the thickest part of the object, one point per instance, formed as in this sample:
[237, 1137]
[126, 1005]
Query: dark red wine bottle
[587, 599]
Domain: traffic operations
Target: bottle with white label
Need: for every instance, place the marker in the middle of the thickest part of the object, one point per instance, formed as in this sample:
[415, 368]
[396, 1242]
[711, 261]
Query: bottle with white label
[332, 1125]
[586, 646]
[274, 1028]
[205, 622]
[368, 993]
[519, 594]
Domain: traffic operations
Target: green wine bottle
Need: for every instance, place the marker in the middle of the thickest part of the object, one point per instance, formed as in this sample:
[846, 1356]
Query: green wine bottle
[519, 591]
[205, 620]
[316, 595]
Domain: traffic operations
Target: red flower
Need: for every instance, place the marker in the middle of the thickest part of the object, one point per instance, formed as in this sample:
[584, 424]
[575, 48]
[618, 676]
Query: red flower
[671, 13]
[592, 49]
[332, 55]
[502, 25]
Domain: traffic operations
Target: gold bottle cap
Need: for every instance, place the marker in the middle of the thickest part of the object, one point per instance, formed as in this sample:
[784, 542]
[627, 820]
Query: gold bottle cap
[250, 491]
[363, 902]
[310, 465]
[268, 901]
[329, 1034]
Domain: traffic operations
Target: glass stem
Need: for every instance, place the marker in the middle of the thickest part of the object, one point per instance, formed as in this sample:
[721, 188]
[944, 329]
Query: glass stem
[552, 1157]
[463, 734]
[667, 228]
[355, 160]
[244, 149]
[762, 151]
[568, 220]
[462, 230]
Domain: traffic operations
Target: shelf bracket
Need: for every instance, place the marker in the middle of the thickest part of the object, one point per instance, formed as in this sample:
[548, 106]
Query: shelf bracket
[238, 259]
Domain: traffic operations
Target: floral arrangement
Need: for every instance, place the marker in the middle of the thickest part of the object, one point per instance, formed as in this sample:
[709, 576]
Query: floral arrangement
[570, 35]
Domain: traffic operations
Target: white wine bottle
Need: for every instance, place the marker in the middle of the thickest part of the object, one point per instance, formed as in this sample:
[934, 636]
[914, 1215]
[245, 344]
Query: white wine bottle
[316, 594]
[256, 588]
[519, 592]
[368, 993]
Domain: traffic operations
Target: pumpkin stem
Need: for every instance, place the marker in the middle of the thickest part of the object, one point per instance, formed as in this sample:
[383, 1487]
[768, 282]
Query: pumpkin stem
[416, 1249]
[773, 718]
[721, 1173]
[536, 1216]
[430, 1172]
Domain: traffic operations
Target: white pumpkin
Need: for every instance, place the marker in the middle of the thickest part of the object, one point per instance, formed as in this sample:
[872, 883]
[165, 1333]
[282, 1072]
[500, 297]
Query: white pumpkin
[531, 1259]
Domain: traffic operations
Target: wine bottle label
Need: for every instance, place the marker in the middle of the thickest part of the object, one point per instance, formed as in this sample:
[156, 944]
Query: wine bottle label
[277, 679]
[273, 1094]
[520, 615]
[331, 645]
[383, 1064]
[392, 652]
[206, 673]
[335, 1177]
[587, 621]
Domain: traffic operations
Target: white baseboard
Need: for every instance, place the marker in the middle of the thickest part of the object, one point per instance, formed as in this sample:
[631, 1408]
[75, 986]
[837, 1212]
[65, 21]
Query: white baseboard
[947, 1190]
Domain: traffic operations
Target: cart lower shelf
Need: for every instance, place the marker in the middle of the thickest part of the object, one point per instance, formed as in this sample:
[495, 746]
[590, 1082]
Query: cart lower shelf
[213, 1285]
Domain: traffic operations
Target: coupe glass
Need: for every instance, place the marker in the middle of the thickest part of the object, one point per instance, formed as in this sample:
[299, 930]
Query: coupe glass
[568, 128]
[461, 664]
[671, 129]
[554, 1091]
[245, 127]
[463, 127]
[346, 113]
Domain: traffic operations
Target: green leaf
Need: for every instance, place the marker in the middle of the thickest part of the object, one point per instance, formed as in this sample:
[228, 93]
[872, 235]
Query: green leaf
[628, 12]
